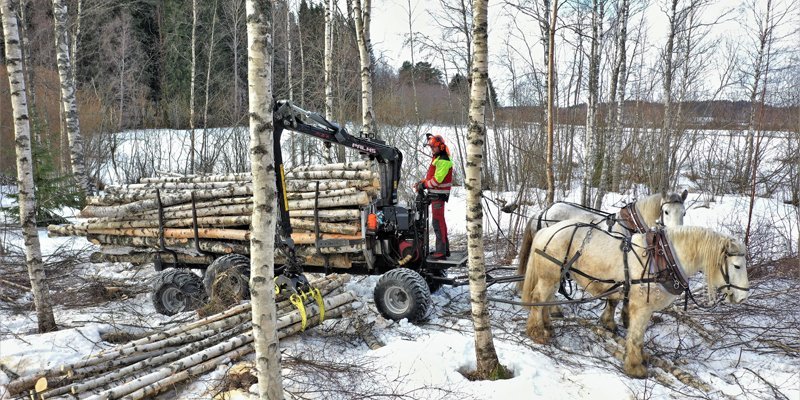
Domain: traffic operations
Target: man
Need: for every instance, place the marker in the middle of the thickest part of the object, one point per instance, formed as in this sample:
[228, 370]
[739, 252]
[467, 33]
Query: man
[438, 182]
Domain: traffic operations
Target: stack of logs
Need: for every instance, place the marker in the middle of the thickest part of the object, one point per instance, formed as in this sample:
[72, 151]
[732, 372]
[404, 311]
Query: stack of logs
[147, 366]
[125, 221]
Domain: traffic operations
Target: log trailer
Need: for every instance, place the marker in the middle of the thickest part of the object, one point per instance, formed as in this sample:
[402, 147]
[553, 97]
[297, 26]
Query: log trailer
[394, 237]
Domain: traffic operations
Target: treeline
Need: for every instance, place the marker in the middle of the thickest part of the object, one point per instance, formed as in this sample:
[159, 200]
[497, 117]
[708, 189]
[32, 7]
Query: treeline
[133, 69]
[716, 114]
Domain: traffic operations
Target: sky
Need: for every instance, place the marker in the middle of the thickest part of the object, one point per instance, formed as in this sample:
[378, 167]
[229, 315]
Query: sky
[390, 30]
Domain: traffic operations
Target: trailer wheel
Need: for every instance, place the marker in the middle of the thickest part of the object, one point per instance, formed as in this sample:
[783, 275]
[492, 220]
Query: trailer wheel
[177, 290]
[402, 293]
[230, 274]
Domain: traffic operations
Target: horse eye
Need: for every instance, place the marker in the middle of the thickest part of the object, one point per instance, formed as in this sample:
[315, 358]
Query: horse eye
[666, 212]
[737, 266]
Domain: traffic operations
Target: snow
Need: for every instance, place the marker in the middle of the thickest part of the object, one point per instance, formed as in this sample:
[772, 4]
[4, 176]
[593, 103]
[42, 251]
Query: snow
[428, 360]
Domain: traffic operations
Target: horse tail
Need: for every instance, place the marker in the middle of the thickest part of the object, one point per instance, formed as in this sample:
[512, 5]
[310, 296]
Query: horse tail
[530, 275]
[525, 248]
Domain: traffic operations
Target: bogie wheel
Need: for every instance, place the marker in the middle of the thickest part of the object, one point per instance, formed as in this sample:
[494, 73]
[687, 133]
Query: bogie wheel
[402, 293]
[230, 274]
[177, 290]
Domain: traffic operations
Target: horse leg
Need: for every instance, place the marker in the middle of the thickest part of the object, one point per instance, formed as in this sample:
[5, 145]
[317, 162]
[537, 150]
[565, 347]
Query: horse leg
[624, 315]
[539, 327]
[634, 362]
[607, 319]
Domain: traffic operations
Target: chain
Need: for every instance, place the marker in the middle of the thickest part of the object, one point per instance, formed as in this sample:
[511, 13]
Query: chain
[586, 238]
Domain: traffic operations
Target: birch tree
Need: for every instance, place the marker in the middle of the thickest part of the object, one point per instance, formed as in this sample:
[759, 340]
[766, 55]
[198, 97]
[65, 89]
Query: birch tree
[616, 91]
[234, 12]
[488, 364]
[69, 105]
[25, 185]
[262, 242]
[665, 142]
[329, 6]
[591, 153]
[361, 13]
[192, 74]
[551, 66]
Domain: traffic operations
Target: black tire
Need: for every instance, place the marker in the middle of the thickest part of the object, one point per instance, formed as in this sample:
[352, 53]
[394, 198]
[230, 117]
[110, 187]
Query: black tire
[433, 285]
[402, 293]
[236, 270]
[177, 290]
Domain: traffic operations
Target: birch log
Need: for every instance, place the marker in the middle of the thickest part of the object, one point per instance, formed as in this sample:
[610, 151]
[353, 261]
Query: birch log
[146, 258]
[240, 177]
[210, 246]
[358, 199]
[311, 175]
[168, 200]
[348, 166]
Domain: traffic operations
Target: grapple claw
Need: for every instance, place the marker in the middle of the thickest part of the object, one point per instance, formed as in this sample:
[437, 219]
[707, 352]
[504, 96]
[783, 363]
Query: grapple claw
[288, 284]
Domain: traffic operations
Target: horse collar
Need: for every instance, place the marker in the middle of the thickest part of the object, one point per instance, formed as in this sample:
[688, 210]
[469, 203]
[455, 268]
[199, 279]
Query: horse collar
[663, 264]
[631, 219]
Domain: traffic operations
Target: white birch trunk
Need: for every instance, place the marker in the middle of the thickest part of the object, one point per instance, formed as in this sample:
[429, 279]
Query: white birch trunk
[663, 151]
[361, 12]
[259, 73]
[329, 59]
[485, 353]
[25, 185]
[623, 80]
[69, 104]
[192, 142]
[551, 66]
[211, 44]
[590, 145]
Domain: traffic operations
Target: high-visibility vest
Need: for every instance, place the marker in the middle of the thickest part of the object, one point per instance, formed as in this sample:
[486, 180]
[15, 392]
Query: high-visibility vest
[440, 175]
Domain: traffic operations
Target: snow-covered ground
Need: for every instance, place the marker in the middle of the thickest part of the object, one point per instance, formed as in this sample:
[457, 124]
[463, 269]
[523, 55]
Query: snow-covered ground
[739, 351]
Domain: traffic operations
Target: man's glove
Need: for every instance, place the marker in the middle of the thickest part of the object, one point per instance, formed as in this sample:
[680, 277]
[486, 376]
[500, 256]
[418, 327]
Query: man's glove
[420, 186]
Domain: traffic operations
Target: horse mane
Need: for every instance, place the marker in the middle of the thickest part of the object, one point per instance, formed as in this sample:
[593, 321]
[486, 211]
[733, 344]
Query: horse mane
[707, 245]
[650, 208]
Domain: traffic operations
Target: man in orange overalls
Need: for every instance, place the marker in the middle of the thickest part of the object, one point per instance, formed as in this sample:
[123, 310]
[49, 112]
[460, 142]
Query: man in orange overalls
[438, 181]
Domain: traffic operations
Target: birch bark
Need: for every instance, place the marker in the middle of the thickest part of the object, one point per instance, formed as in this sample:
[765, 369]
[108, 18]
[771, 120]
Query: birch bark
[361, 13]
[487, 361]
[27, 198]
[262, 241]
[69, 104]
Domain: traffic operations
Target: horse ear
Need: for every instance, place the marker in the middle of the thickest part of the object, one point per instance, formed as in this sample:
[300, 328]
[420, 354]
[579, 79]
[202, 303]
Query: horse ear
[684, 195]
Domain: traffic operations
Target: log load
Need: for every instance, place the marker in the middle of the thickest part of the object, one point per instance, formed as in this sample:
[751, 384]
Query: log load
[147, 366]
[327, 198]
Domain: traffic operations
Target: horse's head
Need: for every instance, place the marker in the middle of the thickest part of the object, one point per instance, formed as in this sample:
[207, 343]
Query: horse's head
[731, 279]
[672, 209]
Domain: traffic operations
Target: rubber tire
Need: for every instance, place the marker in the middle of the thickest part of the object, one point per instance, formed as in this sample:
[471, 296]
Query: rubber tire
[433, 286]
[402, 293]
[228, 263]
[177, 290]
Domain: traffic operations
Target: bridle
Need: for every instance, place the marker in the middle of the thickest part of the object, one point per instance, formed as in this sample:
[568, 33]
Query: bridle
[725, 271]
[660, 220]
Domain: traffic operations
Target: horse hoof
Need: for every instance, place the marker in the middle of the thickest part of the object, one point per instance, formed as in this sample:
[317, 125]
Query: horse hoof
[557, 314]
[540, 336]
[636, 371]
[610, 326]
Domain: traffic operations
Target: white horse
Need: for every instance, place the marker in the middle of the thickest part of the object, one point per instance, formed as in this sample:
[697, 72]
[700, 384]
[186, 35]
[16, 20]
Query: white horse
[722, 260]
[658, 209]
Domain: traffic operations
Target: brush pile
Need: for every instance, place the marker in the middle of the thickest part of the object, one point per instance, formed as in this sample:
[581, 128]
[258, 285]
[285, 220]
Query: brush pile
[147, 366]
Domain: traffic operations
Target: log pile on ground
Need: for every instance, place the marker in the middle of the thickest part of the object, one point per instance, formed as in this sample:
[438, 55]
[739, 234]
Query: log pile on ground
[125, 221]
[145, 367]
